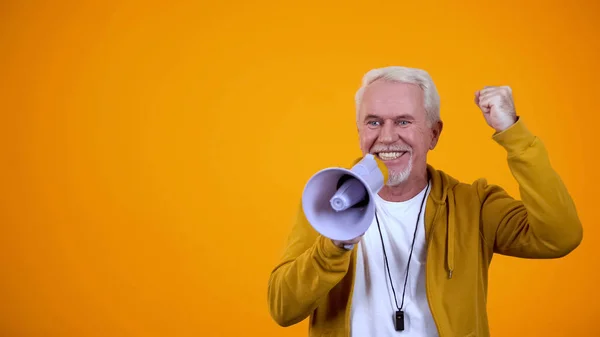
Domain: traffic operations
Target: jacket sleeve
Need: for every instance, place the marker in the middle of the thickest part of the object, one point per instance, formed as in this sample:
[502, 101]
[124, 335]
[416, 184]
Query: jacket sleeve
[310, 267]
[544, 224]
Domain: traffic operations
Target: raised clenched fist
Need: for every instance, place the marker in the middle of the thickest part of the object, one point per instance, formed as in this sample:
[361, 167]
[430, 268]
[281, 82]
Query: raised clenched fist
[497, 106]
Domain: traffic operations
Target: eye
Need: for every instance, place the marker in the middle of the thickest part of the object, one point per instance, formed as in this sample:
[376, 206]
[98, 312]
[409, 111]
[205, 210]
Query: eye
[403, 122]
[373, 123]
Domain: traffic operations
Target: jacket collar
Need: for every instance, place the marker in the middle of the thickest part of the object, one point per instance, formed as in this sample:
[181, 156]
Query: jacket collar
[441, 198]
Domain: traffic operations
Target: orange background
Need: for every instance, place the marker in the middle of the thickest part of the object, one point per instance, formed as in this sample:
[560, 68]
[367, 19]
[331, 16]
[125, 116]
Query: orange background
[153, 153]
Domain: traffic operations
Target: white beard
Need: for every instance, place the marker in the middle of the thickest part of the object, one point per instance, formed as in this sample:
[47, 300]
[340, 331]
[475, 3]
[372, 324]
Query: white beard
[396, 178]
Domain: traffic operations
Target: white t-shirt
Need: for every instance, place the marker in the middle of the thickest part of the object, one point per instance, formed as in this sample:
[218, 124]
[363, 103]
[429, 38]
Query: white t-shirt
[373, 307]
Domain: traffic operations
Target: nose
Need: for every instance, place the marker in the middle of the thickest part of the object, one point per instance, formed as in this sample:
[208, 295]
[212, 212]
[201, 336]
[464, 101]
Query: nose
[387, 134]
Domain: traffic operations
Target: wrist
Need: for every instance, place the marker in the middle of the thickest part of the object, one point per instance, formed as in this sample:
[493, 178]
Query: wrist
[330, 249]
[506, 124]
[516, 138]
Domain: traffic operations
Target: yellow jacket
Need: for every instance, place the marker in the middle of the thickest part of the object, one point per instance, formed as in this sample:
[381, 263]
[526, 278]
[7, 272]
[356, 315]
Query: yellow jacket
[465, 224]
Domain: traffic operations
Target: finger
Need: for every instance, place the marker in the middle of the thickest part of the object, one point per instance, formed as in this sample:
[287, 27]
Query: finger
[485, 103]
[500, 92]
[488, 89]
[356, 240]
[485, 100]
[485, 97]
[492, 100]
[496, 92]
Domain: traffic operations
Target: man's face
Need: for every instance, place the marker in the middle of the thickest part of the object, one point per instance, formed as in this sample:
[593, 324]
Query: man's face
[392, 124]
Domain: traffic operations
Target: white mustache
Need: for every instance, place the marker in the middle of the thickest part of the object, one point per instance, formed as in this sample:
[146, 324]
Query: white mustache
[391, 148]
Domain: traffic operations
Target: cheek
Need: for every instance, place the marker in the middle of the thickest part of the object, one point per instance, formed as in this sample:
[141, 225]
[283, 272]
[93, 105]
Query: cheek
[421, 141]
[367, 139]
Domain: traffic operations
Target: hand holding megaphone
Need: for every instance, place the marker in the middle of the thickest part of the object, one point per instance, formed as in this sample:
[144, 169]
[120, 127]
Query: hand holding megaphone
[339, 203]
[348, 244]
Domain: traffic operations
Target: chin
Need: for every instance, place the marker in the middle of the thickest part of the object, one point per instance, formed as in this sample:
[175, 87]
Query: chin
[395, 180]
[397, 177]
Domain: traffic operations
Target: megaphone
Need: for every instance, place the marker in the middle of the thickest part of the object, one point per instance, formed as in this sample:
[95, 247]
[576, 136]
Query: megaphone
[340, 203]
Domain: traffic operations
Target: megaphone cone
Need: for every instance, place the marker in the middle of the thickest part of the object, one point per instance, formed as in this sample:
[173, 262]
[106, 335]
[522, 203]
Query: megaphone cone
[339, 203]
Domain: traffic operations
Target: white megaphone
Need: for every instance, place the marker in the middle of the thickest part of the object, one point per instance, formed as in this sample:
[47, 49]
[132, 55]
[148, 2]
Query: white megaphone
[340, 203]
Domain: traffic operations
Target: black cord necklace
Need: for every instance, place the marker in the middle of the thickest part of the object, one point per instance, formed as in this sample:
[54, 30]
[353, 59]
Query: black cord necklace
[399, 316]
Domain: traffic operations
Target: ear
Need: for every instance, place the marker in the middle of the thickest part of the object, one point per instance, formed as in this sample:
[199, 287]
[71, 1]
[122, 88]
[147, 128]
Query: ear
[436, 131]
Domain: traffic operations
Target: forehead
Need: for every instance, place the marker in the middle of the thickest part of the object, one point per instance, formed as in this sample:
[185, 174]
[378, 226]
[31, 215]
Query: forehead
[387, 98]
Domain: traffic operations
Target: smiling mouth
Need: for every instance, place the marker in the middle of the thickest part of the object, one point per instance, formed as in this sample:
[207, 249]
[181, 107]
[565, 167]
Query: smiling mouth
[390, 155]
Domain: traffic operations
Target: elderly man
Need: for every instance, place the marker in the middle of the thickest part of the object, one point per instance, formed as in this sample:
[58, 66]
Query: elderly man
[421, 269]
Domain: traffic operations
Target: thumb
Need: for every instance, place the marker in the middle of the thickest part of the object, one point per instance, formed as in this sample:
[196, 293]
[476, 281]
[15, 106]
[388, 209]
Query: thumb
[477, 96]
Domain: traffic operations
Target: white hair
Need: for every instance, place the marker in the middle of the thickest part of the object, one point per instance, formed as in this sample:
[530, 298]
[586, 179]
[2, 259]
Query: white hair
[405, 75]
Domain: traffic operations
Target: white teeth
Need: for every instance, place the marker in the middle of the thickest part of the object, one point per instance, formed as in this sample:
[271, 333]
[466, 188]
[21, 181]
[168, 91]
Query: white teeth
[389, 155]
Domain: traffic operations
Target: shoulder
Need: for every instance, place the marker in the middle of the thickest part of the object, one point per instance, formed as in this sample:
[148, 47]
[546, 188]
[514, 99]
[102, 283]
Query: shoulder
[446, 185]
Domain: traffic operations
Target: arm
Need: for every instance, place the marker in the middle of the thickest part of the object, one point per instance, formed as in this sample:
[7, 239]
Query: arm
[545, 223]
[310, 267]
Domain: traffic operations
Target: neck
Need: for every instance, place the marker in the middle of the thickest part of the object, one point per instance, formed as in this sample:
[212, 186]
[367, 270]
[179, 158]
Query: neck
[405, 190]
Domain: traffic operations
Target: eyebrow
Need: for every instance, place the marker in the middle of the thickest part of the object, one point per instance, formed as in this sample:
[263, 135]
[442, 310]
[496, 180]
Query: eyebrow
[404, 116]
[371, 116]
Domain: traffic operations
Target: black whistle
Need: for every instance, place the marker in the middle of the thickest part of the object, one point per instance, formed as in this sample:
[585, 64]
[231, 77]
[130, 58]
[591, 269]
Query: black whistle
[399, 320]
